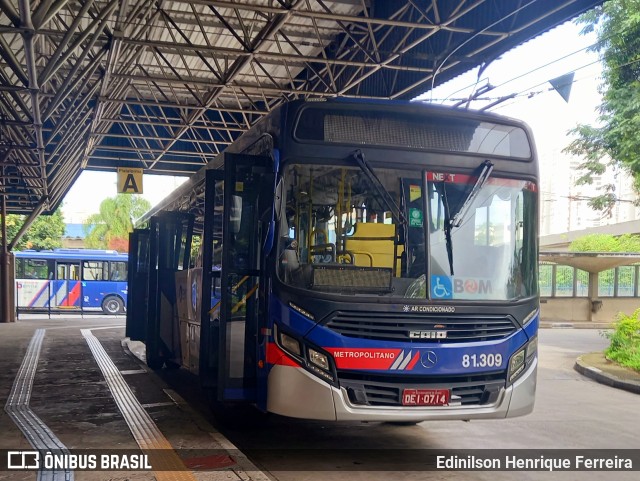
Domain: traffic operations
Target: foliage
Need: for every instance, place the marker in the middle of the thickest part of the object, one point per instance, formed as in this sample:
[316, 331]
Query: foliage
[624, 347]
[44, 233]
[606, 243]
[110, 227]
[615, 141]
[196, 242]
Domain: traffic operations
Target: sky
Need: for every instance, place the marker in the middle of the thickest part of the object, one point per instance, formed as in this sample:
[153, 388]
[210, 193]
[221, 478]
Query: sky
[93, 187]
[524, 70]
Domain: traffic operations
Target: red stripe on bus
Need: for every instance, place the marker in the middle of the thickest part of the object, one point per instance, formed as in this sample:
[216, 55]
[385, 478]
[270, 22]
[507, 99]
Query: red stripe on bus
[277, 356]
[74, 295]
[358, 358]
[414, 361]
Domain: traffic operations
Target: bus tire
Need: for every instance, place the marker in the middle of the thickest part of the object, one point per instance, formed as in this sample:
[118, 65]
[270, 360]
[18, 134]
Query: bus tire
[112, 305]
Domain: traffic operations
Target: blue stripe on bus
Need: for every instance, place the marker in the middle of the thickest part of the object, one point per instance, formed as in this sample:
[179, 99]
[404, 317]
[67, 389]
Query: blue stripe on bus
[39, 293]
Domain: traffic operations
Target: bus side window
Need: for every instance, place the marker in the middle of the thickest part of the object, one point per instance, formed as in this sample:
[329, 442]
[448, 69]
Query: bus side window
[32, 269]
[93, 271]
[118, 271]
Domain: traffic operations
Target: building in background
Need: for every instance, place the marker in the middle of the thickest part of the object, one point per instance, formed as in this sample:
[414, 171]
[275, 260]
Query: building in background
[73, 236]
[565, 206]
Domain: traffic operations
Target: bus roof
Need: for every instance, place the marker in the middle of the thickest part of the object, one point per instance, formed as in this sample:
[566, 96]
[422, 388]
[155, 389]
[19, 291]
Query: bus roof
[73, 254]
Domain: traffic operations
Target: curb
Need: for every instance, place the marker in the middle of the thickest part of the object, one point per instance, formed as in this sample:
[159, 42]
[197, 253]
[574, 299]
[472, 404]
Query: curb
[605, 378]
[575, 325]
[245, 470]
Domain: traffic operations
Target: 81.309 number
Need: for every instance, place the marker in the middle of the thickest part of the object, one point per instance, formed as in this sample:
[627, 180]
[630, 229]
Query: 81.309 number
[482, 360]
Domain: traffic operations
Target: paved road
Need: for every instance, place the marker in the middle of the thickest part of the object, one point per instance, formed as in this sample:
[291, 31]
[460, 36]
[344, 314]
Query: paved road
[572, 412]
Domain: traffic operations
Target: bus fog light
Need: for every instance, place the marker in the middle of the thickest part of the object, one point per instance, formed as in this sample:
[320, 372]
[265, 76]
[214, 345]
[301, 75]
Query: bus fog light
[516, 364]
[319, 359]
[289, 344]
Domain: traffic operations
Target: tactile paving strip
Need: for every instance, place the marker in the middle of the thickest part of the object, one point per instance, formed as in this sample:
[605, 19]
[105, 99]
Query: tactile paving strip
[17, 407]
[166, 463]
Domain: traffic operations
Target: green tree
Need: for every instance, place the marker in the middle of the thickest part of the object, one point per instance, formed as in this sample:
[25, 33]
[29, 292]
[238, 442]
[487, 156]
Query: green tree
[44, 233]
[110, 227]
[615, 141]
[606, 243]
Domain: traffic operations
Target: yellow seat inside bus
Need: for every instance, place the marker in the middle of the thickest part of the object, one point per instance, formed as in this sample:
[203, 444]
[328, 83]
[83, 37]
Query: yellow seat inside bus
[372, 245]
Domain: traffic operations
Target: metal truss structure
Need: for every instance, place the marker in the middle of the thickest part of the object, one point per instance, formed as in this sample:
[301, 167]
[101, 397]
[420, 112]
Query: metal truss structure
[167, 85]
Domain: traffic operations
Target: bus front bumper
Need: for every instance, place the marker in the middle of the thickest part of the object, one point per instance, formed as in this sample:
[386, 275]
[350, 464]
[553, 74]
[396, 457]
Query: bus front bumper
[297, 393]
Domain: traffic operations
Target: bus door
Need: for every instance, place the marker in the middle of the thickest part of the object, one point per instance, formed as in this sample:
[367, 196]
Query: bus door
[137, 284]
[246, 203]
[67, 288]
[170, 236]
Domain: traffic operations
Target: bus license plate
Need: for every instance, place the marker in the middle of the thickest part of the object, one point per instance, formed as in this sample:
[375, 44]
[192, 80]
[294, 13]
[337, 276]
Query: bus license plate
[425, 397]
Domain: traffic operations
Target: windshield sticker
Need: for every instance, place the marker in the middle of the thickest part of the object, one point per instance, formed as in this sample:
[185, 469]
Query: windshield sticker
[455, 287]
[441, 287]
[469, 287]
[415, 217]
[415, 192]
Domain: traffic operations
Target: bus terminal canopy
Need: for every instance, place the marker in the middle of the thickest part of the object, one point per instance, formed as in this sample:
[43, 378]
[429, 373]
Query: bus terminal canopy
[166, 85]
[593, 262]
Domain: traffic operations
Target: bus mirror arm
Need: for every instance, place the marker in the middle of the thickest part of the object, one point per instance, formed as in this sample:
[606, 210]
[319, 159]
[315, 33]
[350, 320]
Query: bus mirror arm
[373, 179]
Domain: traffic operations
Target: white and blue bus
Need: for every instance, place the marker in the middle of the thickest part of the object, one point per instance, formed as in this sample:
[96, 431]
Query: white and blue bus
[367, 260]
[71, 280]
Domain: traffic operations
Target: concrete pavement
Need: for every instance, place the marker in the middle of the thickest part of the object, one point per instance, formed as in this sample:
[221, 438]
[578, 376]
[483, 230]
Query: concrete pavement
[594, 365]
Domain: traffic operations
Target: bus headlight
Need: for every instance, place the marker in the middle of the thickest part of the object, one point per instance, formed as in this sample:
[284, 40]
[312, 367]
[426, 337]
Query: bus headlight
[532, 348]
[319, 359]
[319, 364]
[521, 358]
[290, 345]
[516, 364]
[310, 358]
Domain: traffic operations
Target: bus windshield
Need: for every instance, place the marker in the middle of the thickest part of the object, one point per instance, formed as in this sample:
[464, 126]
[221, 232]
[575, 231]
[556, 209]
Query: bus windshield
[339, 233]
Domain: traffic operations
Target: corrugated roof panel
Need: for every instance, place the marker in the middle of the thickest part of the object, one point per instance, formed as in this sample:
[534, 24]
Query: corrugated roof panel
[178, 71]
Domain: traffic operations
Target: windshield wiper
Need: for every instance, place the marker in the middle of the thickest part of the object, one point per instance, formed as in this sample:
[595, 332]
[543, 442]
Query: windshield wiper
[456, 221]
[373, 179]
[485, 172]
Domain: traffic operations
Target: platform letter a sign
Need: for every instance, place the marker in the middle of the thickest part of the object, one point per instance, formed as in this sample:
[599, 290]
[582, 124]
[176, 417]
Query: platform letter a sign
[129, 181]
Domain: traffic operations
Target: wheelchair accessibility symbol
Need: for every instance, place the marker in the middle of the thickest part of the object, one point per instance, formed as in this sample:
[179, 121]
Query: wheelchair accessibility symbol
[441, 287]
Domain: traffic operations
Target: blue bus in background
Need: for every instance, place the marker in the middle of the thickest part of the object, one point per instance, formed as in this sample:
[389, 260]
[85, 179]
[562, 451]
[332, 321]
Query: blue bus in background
[71, 280]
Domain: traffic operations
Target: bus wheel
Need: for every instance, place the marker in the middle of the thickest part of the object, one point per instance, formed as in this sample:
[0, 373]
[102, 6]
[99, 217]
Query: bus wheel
[112, 305]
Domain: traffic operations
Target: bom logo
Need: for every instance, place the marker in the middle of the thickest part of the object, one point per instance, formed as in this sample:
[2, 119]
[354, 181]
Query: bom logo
[472, 286]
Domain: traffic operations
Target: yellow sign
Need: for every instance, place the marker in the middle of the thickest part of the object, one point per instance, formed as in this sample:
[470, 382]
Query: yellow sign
[129, 181]
[415, 192]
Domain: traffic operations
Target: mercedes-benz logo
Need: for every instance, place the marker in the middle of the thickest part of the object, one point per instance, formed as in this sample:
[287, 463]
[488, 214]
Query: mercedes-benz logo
[429, 359]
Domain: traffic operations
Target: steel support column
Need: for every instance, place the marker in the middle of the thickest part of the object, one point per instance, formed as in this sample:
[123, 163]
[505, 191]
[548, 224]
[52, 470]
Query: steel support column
[6, 277]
